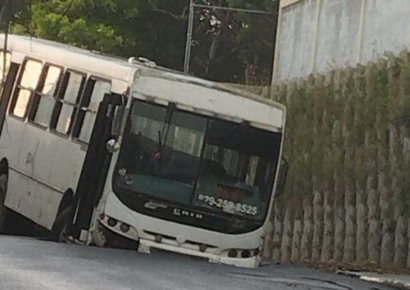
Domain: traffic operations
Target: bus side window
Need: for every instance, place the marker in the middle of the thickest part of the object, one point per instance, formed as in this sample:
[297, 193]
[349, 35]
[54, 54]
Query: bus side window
[25, 88]
[2, 70]
[44, 98]
[68, 103]
[94, 94]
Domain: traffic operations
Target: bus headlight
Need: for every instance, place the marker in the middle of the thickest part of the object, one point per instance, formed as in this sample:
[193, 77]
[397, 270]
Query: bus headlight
[233, 253]
[124, 228]
[246, 254]
[236, 253]
[112, 222]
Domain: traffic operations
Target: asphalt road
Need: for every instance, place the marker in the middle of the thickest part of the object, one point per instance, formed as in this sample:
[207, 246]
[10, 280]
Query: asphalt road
[27, 263]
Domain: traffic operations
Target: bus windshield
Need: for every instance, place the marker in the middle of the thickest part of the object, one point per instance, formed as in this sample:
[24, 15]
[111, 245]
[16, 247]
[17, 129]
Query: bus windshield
[197, 161]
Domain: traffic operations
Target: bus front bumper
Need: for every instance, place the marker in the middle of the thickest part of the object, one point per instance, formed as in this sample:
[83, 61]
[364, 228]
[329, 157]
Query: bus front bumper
[145, 246]
[251, 262]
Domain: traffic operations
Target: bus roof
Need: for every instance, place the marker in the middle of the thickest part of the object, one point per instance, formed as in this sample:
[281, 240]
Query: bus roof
[116, 68]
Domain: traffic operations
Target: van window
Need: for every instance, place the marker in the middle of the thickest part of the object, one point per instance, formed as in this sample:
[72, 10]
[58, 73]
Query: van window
[96, 89]
[25, 89]
[8, 60]
[68, 102]
[44, 100]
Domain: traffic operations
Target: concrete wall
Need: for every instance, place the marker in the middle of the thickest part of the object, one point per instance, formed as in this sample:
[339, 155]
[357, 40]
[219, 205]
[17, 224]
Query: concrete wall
[316, 36]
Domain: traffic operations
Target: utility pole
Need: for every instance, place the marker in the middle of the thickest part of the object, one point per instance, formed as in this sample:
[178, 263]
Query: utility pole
[3, 14]
[188, 46]
[191, 16]
[4, 23]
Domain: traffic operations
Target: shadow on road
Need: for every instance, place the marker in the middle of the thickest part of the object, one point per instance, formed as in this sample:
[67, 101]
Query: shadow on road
[22, 227]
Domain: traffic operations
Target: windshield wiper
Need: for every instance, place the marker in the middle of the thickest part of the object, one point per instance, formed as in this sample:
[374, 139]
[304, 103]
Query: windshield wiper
[167, 123]
[159, 141]
[158, 154]
[162, 140]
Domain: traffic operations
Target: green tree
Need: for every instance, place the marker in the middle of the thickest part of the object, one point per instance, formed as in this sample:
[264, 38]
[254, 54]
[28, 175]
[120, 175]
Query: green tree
[227, 46]
[235, 46]
[120, 27]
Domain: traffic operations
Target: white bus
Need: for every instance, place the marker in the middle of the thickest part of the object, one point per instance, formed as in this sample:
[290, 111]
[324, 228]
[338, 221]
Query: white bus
[111, 152]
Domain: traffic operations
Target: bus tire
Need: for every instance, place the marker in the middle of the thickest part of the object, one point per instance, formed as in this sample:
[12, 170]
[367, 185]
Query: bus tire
[60, 226]
[5, 213]
[7, 216]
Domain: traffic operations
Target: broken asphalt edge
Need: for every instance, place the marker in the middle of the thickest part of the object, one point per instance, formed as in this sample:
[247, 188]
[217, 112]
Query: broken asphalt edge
[391, 282]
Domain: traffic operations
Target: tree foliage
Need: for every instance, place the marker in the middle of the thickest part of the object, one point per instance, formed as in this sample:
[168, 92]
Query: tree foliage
[227, 46]
[236, 46]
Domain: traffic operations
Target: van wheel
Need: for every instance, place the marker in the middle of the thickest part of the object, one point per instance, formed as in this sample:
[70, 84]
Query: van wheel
[59, 231]
[4, 211]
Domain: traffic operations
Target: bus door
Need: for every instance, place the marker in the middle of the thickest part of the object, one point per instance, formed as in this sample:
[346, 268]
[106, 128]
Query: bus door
[96, 165]
[6, 89]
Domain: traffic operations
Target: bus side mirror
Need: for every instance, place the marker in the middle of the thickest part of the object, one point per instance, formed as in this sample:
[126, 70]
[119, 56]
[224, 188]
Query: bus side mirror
[112, 146]
[116, 122]
[283, 175]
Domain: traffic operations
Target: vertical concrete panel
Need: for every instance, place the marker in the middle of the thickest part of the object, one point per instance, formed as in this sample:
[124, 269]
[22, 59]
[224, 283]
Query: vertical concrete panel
[338, 36]
[386, 28]
[296, 40]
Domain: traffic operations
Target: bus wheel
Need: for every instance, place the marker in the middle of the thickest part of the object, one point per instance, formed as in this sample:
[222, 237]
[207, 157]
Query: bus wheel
[4, 211]
[59, 231]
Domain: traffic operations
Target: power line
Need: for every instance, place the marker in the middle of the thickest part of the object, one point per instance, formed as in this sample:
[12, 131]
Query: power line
[232, 9]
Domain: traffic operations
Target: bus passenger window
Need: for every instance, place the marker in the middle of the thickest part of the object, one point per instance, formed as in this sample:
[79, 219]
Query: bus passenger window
[94, 95]
[44, 99]
[8, 59]
[68, 103]
[25, 89]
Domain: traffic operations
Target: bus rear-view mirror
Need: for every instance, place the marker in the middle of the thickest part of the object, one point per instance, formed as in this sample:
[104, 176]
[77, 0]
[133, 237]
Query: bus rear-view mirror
[112, 146]
[116, 123]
